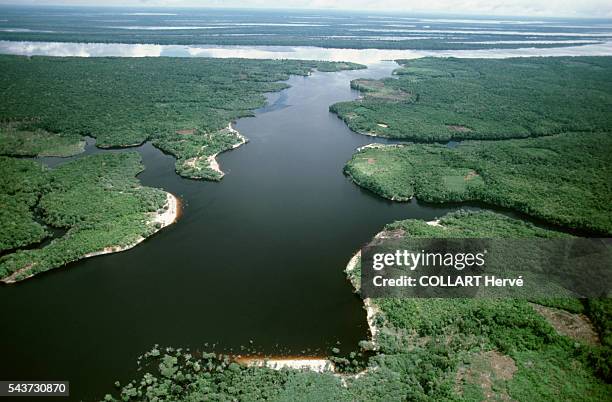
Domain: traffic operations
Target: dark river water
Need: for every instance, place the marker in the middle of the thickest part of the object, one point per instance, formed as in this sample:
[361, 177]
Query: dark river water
[256, 259]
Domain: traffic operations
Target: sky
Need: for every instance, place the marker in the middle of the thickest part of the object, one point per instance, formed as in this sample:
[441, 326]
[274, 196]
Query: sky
[550, 8]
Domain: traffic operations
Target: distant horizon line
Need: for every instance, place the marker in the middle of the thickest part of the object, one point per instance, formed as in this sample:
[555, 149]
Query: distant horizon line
[301, 9]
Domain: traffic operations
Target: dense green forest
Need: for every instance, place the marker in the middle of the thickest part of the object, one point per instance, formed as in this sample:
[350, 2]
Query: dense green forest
[437, 99]
[97, 199]
[182, 105]
[47, 104]
[21, 184]
[16, 139]
[425, 349]
[564, 179]
[562, 176]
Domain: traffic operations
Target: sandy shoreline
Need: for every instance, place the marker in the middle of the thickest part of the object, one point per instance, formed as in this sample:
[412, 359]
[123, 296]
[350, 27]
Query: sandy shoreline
[371, 309]
[373, 145]
[314, 364]
[211, 160]
[166, 218]
[320, 365]
[158, 220]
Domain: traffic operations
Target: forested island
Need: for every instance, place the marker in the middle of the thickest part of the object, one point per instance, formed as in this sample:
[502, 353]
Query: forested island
[204, 37]
[442, 99]
[346, 30]
[563, 179]
[560, 173]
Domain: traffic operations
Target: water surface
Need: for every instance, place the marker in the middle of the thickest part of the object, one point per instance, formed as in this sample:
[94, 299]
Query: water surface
[363, 56]
[258, 257]
[340, 29]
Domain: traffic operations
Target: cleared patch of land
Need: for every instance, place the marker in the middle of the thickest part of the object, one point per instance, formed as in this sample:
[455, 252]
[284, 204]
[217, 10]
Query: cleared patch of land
[437, 99]
[564, 179]
[485, 376]
[182, 105]
[574, 325]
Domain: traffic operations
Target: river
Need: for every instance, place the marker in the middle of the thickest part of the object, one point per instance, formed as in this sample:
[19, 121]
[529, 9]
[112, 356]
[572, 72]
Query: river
[363, 56]
[257, 260]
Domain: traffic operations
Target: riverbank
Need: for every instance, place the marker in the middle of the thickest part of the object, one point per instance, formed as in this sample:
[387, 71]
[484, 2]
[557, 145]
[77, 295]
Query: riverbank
[354, 276]
[262, 215]
[170, 213]
[519, 174]
[213, 164]
[164, 217]
[197, 167]
[297, 363]
[97, 200]
[363, 56]
[431, 349]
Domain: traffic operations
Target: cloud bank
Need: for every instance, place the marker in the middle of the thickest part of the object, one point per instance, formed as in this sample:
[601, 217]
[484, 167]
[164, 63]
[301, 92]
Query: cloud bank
[551, 8]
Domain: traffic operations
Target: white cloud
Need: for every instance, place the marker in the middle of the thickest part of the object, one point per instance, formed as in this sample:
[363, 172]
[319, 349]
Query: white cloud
[552, 8]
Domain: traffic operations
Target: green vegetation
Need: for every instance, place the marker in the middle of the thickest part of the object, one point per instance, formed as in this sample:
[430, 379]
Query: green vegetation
[431, 349]
[204, 37]
[21, 184]
[496, 349]
[47, 104]
[361, 33]
[16, 139]
[96, 198]
[177, 375]
[434, 99]
[427, 349]
[564, 179]
[510, 327]
[345, 30]
[195, 148]
[182, 105]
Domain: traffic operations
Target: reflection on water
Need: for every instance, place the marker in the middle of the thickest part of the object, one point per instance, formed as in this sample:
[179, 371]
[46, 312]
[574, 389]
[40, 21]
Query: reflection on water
[363, 56]
[482, 32]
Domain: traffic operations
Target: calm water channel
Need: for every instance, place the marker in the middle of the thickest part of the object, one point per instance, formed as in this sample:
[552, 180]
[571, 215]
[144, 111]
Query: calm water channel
[258, 257]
